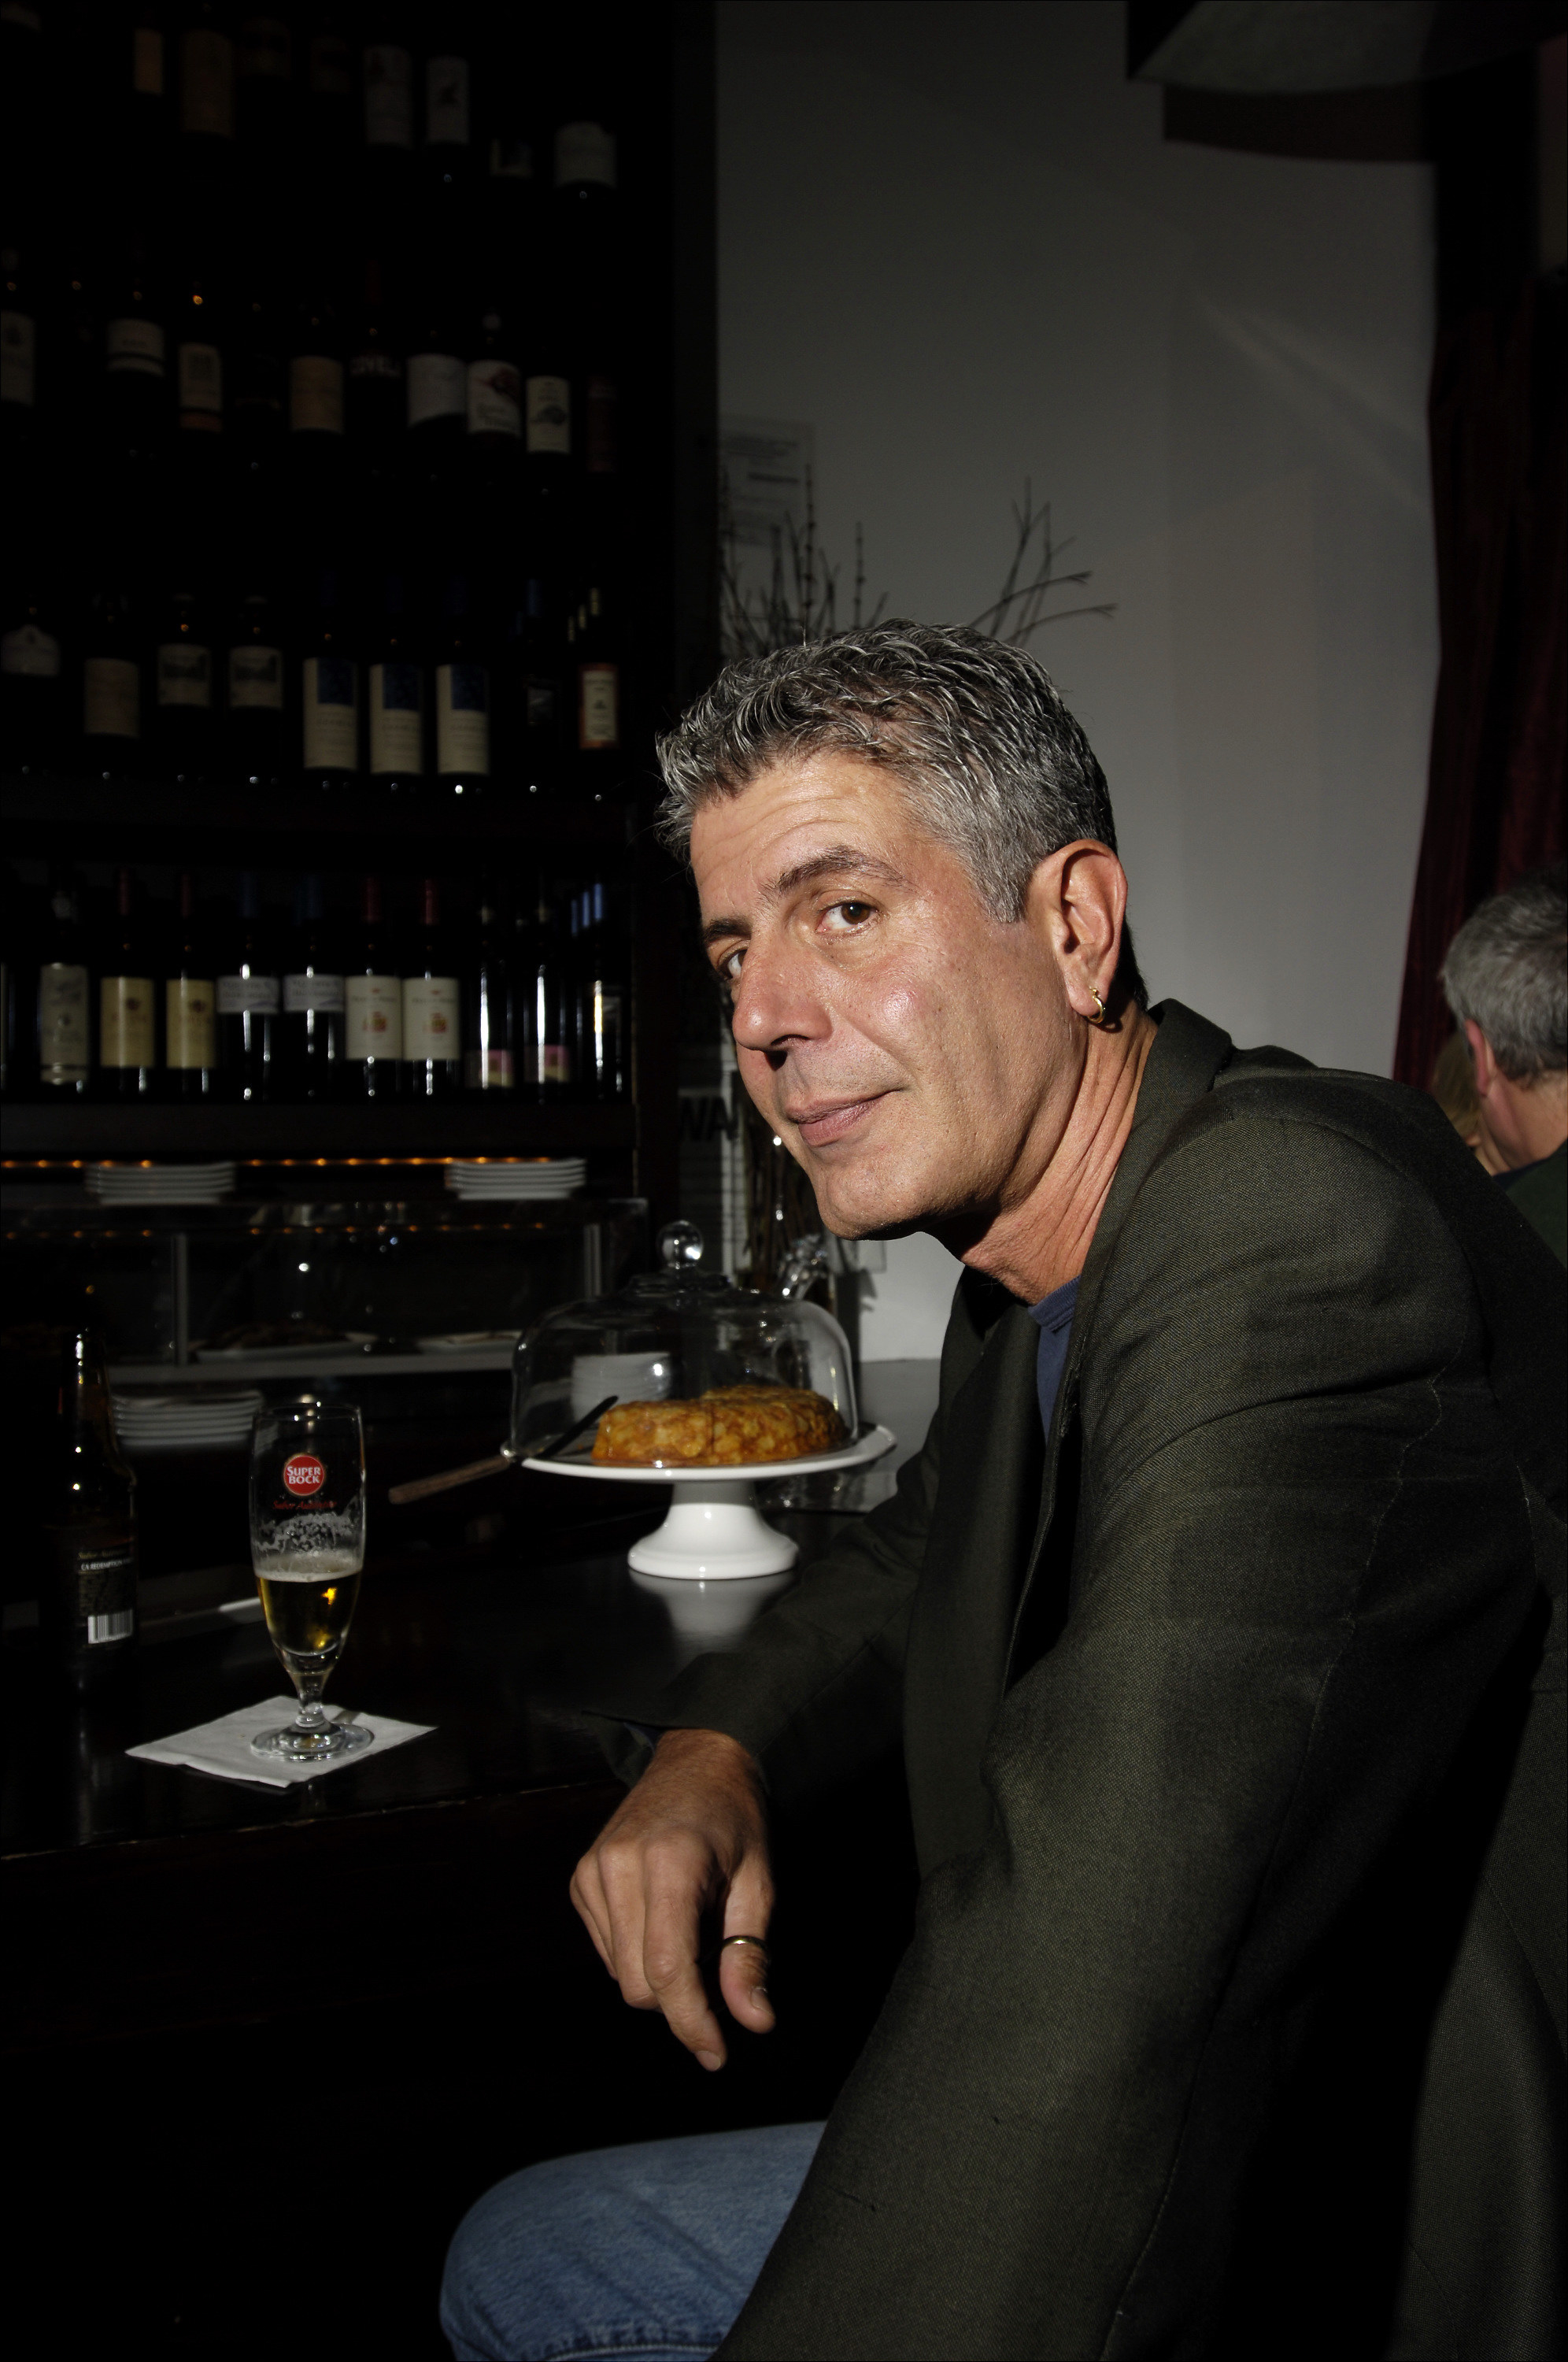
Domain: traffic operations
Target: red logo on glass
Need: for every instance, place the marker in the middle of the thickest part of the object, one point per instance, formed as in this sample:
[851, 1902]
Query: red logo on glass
[304, 1475]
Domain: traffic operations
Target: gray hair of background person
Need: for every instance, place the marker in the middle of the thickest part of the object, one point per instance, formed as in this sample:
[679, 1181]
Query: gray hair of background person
[1507, 971]
[996, 767]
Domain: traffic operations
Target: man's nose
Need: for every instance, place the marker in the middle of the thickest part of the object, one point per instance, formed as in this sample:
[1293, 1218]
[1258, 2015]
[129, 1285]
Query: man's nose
[777, 1001]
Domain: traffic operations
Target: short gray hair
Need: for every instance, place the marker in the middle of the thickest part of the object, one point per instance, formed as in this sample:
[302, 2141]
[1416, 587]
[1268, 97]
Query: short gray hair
[1506, 970]
[997, 767]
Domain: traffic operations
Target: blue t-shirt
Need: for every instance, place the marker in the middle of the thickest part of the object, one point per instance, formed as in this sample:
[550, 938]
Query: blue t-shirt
[1055, 1314]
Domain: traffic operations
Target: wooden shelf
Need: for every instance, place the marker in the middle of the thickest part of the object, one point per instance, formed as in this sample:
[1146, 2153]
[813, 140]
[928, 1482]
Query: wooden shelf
[451, 1128]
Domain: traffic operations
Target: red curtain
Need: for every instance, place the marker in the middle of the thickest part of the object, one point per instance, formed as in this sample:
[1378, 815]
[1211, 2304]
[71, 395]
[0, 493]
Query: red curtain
[1498, 419]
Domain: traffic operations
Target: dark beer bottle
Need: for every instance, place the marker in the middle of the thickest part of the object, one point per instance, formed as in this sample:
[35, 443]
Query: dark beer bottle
[89, 1609]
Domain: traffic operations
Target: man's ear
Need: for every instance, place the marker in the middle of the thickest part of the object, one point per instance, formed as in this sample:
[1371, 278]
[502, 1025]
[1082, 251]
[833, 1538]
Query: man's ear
[1078, 896]
[1481, 1057]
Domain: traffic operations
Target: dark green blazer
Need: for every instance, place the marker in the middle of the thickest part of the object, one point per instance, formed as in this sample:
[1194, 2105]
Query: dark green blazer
[1234, 2018]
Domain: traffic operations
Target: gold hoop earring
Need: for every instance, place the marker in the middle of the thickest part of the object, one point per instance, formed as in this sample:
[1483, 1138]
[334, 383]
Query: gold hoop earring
[1098, 1017]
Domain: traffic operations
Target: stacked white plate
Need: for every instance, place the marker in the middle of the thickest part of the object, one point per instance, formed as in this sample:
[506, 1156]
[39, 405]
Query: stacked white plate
[213, 1419]
[159, 1184]
[516, 1177]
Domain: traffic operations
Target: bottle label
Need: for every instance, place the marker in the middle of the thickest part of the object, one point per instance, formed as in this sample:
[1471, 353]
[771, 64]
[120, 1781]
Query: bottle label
[374, 366]
[126, 1030]
[134, 347]
[32, 654]
[549, 405]
[97, 1586]
[255, 680]
[447, 102]
[315, 394]
[546, 1062]
[206, 84]
[389, 98]
[19, 357]
[147, 62]
[201, 388]
[331, 714]
[237, 996]
[62, 1023]
[184, 676]
[190, 1010]
[598, 706]
[599, 427]
[111, 697]
[303, 993]
[488, 1070]
[462, 719]
[431, 1026]
[438, 387]
[375, 1016]
[495, 399]
[397, 719]
[585, 151]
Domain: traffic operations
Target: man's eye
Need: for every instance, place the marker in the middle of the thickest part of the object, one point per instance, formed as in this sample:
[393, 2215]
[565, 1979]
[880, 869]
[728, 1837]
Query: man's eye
[848, 914]
[728, 969]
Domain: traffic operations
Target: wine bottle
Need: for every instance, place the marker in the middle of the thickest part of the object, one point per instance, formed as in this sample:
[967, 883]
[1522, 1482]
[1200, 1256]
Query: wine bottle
[331, 98]
[185, 718]
[18, 1015]
[198, 354]
[135, 353]
[145, 98]
[64, 999]
[436, 374]
[128, 1003]
[595, 662]
[489, 1061]
[604, 1033]
[263, 69]
[376, 396]
[373, 1007]
[544, 998]
[395, 696]
[314, 1000]
[254, 717]
[432, 1009]
[329, 691]
[206, 80]
[88, 1612]
[315, 375]
[387, 64]
[190, 1005]
[462, 694]
[258, 374]
[33, 718]
[18, 353]
[112, 670]
[447, 101]
[494, 398]
[249, 1003]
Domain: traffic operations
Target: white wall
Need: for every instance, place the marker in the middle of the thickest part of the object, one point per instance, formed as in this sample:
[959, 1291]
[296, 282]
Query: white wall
[953, 241]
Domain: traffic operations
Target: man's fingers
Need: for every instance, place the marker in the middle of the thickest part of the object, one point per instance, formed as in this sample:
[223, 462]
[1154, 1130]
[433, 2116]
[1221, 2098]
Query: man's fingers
[673, 1977]
[743, 1968]
[588, 1897]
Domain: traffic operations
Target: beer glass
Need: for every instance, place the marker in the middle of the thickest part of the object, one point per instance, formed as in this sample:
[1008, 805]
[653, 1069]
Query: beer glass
[307, 1546]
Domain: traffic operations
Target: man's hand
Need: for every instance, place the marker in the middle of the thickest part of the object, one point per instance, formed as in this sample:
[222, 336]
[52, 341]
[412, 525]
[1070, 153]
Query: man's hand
[691, 1836]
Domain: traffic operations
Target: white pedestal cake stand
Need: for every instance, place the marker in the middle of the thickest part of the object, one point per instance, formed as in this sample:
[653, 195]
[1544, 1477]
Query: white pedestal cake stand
[715, 1529]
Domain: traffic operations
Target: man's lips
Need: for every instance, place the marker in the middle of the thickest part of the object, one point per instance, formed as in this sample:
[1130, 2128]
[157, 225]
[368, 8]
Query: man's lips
[823, 1120]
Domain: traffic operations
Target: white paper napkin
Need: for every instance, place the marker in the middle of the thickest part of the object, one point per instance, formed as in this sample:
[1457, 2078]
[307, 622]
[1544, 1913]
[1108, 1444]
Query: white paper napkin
[223, 1748]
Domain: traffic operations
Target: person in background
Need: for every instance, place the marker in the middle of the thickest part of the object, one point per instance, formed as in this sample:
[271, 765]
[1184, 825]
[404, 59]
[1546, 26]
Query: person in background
[1506, 981]
[1453, 1087]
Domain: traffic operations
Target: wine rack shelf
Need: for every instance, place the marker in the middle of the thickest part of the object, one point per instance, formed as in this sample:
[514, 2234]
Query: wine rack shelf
[452, 1127]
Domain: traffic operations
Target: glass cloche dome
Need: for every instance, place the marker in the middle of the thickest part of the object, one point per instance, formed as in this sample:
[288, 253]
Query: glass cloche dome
[680, 1368]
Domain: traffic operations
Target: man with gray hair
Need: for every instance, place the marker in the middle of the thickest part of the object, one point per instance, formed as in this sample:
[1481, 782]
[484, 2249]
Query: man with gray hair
[1505, 978]
[1214, 1623]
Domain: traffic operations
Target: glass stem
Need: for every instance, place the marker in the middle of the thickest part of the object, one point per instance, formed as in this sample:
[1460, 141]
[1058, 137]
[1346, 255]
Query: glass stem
[309, 1681]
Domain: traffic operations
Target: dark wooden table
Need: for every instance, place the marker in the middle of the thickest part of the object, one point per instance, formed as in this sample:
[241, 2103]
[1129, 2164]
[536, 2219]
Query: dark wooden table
[222, 2002]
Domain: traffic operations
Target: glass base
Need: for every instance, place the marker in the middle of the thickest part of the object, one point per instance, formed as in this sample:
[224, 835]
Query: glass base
[320, 1746]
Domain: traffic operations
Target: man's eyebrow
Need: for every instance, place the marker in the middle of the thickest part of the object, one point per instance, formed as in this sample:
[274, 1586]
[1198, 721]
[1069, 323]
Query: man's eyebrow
[837, 861]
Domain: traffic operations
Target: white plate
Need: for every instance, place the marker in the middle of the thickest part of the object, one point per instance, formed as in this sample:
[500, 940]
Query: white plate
[317, 1348]
[465, 1341]
[870, 1444]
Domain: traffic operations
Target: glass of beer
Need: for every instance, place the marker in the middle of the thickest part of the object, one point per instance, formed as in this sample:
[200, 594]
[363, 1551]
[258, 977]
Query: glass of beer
[307, 1546]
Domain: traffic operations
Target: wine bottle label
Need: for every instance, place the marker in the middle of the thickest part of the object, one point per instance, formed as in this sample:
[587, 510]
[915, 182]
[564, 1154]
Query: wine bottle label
[147, 62]
[206, 84]
[331, 714]
[432, 1027]
[126, 1029]
[510, 157]
[238, 996]
[190, 1011]
[539, 699]
[549, 405]
[265, 50]
[133, 348]
[546, 1062]
[111, 697]
[200, 373]
[375, 1016]
[462, 719]
[397, 719]
[184, 676]
[389, 98]
[585, 151]
[19, 357]
[315, 394]
[488, 1070]
[438, 387]
[33, 654]
[495, 399]
[96, 1585]
[374, 366]
[255, 680]
[599, 427]
[598, 706]
[447, 102]
[303, 993]
[62, 1023]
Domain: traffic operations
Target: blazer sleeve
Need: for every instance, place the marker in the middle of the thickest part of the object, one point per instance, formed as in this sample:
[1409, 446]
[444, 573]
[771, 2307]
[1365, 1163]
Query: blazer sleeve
[1302, 1552]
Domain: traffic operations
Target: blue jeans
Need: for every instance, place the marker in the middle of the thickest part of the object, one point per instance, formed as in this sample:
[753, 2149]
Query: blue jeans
[638, 2253]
